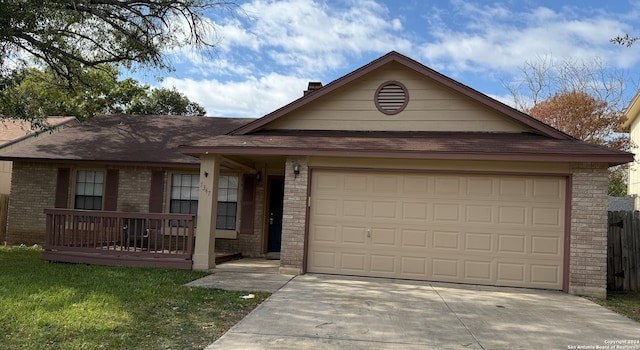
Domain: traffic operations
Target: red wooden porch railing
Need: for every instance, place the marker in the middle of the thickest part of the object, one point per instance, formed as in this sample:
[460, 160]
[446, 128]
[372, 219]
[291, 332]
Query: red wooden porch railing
[117, 238]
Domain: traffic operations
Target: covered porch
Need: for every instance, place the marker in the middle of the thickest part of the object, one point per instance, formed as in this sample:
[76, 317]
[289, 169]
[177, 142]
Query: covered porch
[120, 238]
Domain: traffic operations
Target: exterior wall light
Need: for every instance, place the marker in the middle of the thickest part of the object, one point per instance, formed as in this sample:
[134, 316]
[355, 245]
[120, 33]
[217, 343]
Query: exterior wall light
[296, 169]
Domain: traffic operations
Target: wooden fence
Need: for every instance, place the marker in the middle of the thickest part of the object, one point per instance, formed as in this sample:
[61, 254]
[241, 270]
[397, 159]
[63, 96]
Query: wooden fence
[623, 251]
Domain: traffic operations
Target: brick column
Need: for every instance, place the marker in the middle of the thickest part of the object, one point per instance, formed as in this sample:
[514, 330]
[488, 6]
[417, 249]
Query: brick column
[294, 217]
[588, 255]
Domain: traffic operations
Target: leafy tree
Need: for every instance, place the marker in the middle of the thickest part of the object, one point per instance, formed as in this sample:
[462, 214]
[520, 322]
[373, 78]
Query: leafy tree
[164, 101]
[625, 40]
[583, 99]
[618, 181]
[583, 117]
[34, 94]
[70, 36]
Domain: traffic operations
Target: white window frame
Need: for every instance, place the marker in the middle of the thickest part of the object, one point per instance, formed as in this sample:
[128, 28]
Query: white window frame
[76, 187]
[220, 233]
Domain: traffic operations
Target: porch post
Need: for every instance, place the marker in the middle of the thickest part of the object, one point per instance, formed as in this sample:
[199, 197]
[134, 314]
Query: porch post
[204, 256]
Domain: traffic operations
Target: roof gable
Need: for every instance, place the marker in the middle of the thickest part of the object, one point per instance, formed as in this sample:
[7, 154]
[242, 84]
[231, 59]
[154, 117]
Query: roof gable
[436, 103]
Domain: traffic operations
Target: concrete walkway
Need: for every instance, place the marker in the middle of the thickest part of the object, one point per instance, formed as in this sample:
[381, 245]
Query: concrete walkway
[338, 312]
[253, 275]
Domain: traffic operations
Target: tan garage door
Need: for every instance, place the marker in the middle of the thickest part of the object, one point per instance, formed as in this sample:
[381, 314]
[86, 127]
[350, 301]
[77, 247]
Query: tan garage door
[480, 229]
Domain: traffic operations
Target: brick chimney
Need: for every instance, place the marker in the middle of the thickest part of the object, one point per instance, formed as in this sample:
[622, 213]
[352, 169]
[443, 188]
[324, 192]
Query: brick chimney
[313, 86]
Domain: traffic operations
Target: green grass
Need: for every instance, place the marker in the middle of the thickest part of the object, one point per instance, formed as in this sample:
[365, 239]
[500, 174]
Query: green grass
[624, 303]
[68, 306]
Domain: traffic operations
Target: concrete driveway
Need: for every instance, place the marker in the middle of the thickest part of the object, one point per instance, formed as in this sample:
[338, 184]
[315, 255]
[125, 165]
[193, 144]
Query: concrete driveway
[336, 312]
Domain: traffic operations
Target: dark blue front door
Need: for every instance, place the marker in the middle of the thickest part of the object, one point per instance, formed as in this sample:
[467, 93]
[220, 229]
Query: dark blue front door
[276, 196]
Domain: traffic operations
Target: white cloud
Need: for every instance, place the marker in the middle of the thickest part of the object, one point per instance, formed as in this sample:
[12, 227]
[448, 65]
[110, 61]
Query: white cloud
[496, 38]
[253, 97]
[306, 36]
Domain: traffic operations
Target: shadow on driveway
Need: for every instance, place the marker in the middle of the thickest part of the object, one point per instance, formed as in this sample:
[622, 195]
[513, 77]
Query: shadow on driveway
[337, 312]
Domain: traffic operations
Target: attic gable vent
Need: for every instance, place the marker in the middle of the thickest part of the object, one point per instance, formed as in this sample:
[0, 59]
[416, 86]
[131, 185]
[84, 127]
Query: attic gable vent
[391, 97]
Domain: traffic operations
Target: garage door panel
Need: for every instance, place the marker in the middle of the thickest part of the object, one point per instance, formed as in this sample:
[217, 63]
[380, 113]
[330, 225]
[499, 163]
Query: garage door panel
[448, 240]
[324, 206]
[478, 270]
[355, 183]
[353, 262]
[511, 273]
[545, 245]
[417, 211]
[546, 216]
[416, 186]
[447, 185]
[511, 244]
[479, 214]
[446, 212]
[411, 238]
[383, 238]
[382, 264]
[513, 187]
[479, 242]
[444, 268]
[480, 188]
[385, 184]
[547, 189]
[355, 208]
[512, 215]
[384, 209]
[545, 274]
[496, 230]
[325, 260]
[354, 235]
[413, 266]
[325, 233]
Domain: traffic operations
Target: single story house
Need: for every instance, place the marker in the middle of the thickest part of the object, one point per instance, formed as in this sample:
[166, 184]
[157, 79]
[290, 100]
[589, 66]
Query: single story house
[393, 170]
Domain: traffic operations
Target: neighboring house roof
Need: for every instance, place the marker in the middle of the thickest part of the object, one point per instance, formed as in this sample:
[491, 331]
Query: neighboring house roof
[126, 138]
[621, 203]
[13, 131]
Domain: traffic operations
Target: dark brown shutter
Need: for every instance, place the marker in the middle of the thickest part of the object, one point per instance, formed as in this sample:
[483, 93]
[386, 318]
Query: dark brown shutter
[62, 188]
[111, 190]
[157, 192]
[248, 204]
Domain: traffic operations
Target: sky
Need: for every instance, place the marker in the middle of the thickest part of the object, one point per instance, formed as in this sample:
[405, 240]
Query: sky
[267, 51]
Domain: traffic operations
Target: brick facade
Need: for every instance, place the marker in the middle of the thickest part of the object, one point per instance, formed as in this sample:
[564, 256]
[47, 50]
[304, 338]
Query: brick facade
[588, 249]
[33, 188]
[294, 217]
[134, 188]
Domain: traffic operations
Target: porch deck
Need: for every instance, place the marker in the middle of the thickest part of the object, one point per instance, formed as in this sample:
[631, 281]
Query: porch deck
[120, 239]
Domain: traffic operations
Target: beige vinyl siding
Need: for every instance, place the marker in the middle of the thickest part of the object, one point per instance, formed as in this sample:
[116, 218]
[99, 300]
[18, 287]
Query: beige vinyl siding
[431, 107]
[634, 169]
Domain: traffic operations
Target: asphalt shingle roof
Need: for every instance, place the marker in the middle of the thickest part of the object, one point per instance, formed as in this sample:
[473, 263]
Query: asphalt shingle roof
[127, 138]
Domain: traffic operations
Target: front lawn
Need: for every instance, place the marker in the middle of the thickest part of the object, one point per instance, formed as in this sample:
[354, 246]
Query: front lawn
[624, 303]
[67, 306]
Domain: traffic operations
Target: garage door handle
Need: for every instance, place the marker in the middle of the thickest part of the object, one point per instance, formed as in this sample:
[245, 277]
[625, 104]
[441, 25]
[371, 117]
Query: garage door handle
[368, 233]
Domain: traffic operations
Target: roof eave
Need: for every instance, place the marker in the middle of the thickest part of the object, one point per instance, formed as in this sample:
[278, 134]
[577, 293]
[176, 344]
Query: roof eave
[632, 111]
[611, 160]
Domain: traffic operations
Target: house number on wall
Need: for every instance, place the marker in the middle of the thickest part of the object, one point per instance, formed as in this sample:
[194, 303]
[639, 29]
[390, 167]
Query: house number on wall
[205, 189]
